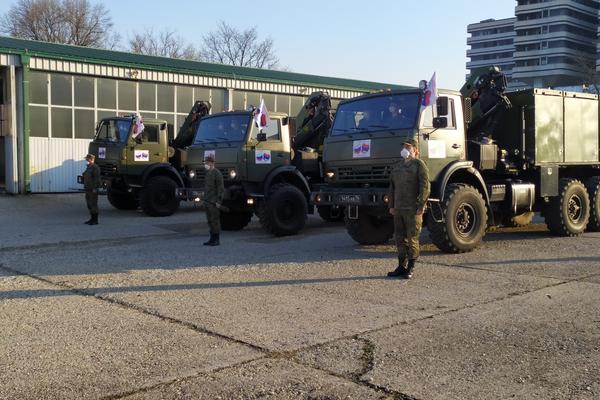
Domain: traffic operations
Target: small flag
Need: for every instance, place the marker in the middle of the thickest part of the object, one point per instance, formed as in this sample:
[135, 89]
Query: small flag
[261, 115]
[430, 93]
[138, 125]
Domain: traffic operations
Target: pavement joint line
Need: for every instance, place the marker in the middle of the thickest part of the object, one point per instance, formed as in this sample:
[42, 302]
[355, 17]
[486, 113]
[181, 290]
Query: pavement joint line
[291, 355]
[129, 306]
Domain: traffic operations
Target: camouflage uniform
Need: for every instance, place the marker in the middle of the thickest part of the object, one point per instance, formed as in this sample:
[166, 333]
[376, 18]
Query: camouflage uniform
[91, 184]
[213, 193]
[408, 192]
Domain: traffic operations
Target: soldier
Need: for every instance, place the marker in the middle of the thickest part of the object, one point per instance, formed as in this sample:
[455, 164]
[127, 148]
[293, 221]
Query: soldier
[213, 196]
[409, 190]
[91, 184]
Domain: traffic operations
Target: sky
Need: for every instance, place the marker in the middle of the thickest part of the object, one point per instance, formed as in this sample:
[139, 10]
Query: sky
[395, 42]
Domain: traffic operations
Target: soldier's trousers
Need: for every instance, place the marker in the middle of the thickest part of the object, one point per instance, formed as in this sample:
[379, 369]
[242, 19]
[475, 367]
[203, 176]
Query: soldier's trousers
[407, 228]
[214, 220]
[91, 199]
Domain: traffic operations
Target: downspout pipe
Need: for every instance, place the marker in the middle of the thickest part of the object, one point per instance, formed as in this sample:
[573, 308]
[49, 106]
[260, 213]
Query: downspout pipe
[25, 167]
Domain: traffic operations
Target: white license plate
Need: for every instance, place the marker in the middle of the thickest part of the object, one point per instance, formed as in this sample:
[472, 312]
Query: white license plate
[350, 198]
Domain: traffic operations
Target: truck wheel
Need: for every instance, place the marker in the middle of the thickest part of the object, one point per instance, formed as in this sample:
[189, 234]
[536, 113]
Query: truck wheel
[157, 197]
[331, 214]
[122, 200]
[465, 220]
[593, 187]
[568, 213]
[285, 210]
[234, 221]
[369, 229]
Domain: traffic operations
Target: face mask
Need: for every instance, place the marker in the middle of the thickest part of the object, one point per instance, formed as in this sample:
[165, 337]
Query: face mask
[405, 153]
[206, 167]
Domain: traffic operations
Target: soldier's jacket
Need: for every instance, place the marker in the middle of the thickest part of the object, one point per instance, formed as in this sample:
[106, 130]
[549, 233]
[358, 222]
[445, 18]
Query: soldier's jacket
[91, 177]
[213, 187]
[409, 185]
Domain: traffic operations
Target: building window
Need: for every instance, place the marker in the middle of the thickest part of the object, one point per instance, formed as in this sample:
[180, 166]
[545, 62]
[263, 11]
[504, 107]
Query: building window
[84, 124]
[38, 87]
[84, 91]
[147, 96]
[107, 93]
[61, 90]
[127, 95]
[38, 121]
[165, 95]
[62, 126]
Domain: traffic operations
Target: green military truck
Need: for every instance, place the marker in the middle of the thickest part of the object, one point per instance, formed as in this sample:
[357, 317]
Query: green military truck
[494, 158]
[144, 170]
[269, 173]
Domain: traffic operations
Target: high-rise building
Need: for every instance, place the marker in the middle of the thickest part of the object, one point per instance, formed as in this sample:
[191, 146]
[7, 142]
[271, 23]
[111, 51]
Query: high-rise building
[492, 42]
[555, 43]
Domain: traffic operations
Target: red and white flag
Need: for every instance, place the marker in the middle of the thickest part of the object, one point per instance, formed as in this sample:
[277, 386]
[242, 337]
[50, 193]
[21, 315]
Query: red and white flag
[430, 93]
[261, 115]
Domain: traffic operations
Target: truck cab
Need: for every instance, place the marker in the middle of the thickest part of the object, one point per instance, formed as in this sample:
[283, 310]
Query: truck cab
[127, 163]
[364, 144]
[258, 171]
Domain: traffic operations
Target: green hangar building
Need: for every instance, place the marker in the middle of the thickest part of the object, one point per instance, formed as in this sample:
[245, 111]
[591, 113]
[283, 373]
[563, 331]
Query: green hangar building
[52, 95]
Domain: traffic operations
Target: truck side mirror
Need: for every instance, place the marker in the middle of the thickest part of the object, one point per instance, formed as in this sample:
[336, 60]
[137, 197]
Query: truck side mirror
[440, 122]
[261, 137]
[284, 121]
[442, 105]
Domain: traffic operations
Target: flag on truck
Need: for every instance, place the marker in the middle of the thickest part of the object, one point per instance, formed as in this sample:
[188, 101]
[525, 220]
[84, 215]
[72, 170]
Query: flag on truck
[430, 92]
[261, 115]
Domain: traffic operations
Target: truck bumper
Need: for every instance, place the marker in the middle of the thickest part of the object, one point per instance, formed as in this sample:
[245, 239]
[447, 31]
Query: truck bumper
[344, 197]
[189, 194]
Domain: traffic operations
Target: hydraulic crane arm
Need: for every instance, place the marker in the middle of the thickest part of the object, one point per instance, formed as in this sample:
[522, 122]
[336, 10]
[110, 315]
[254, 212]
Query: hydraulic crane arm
[314, 121]
[186, 133]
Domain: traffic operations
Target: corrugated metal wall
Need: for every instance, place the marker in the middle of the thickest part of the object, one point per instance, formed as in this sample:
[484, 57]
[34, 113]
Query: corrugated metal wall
[55, 164]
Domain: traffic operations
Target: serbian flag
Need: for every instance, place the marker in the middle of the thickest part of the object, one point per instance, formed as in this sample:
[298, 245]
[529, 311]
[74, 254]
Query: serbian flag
[261, 115]
[138, 125]
[430, 93]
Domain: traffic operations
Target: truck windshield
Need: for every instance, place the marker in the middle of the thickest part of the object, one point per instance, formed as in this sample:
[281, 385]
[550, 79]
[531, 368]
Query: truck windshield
[380, 113]
[113, 130]
[223, 128]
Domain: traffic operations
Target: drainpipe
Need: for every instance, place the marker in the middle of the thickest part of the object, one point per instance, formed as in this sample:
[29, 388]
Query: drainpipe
[25, 183]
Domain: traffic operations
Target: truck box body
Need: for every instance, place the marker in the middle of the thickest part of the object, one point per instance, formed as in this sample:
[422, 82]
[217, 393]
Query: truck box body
[560, 127]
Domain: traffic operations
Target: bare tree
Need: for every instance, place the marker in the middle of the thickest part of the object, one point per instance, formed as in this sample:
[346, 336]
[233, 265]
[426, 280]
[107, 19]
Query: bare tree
[587, 67]
[77, 22]
[166, 44]
[228, 45]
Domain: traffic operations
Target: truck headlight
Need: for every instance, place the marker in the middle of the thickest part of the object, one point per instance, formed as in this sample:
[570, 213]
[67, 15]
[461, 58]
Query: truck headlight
[192, 174]
[232, 174]
[330, 174]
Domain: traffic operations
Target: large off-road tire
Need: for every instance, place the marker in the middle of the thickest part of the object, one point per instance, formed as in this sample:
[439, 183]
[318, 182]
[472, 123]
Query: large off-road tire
[284, 211]
[568, 213]
[234, 220]
[157, 197]
[331, 214]
[518, 220]
[464, 220]
[593, 188]
[369, 229]
[122, 200]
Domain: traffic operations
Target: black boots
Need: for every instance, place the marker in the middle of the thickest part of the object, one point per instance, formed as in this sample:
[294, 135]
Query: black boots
[400, 270]
[93, 220]
[404, 272]
[213, 241]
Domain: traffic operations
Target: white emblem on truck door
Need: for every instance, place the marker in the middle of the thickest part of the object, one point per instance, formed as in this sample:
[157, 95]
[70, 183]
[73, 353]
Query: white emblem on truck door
[436, 149]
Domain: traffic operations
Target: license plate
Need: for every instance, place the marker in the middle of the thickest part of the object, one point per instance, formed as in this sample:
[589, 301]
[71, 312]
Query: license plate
[349, 198]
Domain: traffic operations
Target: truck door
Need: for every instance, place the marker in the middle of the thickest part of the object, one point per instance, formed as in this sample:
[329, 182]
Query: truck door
[444, 145]
[267, 155]
[150, 148]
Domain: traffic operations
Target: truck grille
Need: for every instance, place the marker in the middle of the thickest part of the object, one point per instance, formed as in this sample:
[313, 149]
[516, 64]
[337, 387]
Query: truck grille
[365, 173]
[198, 181]
[108, 168]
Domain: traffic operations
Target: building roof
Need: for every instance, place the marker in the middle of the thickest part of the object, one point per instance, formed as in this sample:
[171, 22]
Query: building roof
[123, 59]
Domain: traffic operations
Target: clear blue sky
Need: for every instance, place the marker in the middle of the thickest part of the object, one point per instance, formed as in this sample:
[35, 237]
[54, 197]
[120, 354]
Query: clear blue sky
[398, 42]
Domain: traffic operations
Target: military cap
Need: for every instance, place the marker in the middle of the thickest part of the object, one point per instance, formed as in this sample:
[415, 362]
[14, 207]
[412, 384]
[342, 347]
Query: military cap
[90, 157]
[209, 158]
[410, 141]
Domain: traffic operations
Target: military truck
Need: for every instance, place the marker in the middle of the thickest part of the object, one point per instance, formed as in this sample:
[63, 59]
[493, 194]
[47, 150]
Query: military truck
[144, 170]
[494, 159]
[268, 172]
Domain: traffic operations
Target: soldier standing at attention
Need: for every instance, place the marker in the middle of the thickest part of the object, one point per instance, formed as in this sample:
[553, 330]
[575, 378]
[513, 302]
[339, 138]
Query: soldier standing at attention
[409, 190]
[91, 184]
[213, 196]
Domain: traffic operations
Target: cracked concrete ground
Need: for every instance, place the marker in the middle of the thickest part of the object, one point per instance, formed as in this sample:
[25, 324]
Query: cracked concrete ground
[137, 308]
